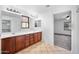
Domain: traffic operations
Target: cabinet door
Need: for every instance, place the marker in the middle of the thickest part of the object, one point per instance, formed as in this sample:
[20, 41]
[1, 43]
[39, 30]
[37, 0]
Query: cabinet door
[20, 42]
[35, 37]
[8, 45]
[31, 39]
[27, 41]
[39, 34]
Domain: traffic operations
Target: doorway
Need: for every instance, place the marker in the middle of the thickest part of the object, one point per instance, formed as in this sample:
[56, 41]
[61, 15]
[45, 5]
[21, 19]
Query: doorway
[62, 30]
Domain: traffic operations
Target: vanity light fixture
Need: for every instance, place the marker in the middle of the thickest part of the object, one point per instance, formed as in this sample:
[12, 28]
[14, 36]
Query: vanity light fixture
[12, 10]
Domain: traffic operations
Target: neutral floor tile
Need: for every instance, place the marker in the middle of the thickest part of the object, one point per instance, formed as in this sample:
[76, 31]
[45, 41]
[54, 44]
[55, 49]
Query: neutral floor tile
[42, 48]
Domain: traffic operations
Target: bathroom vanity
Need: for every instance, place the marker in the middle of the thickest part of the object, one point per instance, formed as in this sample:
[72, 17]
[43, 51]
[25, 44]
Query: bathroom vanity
[13, 44]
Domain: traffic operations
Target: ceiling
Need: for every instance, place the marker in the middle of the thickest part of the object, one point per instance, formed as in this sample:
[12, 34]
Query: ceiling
[59, 11]
[34, 8]
[63, 15]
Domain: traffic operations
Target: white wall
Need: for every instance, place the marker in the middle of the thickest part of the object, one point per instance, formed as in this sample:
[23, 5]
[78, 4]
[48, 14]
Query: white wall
[0, 28]
[59, 27]
[47, 28]
[75, 31]
[0, 21]
[76, 35]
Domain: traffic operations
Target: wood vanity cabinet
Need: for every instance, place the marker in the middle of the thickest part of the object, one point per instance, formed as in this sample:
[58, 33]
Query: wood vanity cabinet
[35, 37]
[31, 39]
[14, 44]
[20, 42]
[27, 41]
[8, 45]
[39, 36]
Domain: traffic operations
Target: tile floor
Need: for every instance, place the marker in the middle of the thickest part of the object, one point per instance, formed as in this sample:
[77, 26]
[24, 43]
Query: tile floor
[42, 48]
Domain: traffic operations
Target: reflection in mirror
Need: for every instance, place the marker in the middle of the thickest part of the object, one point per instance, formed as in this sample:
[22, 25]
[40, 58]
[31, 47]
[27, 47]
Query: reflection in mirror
[25, 22]
[24, 25]
[67, 26]
[6, 26]
[38, 23]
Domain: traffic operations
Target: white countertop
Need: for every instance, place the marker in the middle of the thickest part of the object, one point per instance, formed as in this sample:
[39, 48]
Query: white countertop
[5, 35]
